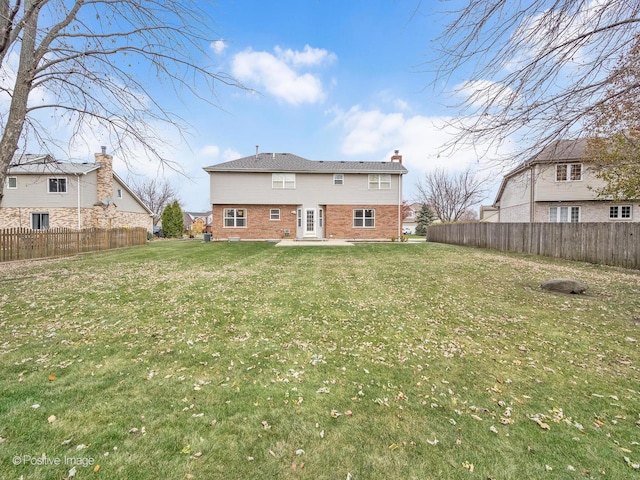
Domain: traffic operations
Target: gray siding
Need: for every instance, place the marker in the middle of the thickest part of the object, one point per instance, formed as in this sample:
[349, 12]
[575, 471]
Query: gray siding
[515, 202]
[32, 192]
[128, 202]
[311, 188]
[548, 190]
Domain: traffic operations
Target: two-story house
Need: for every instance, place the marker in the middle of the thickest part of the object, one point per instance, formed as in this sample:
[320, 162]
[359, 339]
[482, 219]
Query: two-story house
[281, 195]
[41, 193]
[557, 185]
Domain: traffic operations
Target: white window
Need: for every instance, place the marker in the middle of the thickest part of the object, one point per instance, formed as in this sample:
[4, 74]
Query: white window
[274, 214]
[620, 212]
[364, 217]
[564, 214]
[299, 218]
[283, 180]
[57, 185]
[568, 172]
[338, 179]
[235, 217]
[39, 221]
[380, 182]
[320, 218]
[12, 182]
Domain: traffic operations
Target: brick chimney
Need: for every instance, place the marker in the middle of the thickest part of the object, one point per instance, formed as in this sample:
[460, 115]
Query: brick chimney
[104, 188]
[396, 157]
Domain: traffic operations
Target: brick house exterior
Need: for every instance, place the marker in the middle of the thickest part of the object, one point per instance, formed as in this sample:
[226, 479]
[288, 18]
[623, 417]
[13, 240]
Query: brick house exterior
[42, 193]
[557, 185]
[271, 196]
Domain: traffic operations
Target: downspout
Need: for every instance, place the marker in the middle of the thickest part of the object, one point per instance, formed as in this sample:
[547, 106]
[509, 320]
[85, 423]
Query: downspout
[79, 216]
[532, 196]
[400, 207]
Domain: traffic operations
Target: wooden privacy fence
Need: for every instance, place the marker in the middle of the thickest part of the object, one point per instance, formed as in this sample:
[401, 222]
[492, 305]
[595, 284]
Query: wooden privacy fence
[24, 243]
[616, 244]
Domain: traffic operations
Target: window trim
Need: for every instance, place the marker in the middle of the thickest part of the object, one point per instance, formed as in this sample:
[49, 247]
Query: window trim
[276, 217]
[558, 215]
[288, 181]
[9, 183]
[619, 212]
[569, 172]
[41, 215]
[234, 218]
[338, 179]
[57, 179]
[378, 184]
[363, 219]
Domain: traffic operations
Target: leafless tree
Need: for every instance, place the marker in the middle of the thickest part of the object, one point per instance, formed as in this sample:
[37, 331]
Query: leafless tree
[156, 194]
[81, 60]
[451, 194]
[532, 71]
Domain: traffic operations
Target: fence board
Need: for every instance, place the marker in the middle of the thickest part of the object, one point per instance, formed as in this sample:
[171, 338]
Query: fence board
[615, 243]
[24, 243]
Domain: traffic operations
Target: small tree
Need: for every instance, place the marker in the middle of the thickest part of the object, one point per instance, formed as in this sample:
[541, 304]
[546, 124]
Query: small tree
[451, 194]
[424, 218]
[172, 220]
[155, 194]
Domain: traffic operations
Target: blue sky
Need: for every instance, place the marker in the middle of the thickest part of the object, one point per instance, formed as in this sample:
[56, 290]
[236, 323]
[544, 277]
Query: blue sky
[332, 80]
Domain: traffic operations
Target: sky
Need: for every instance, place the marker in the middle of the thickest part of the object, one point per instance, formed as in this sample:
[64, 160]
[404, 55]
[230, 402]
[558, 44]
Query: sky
[327, 80]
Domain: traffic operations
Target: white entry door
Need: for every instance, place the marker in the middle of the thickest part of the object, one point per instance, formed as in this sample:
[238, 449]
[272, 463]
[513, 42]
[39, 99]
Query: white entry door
[309, 222]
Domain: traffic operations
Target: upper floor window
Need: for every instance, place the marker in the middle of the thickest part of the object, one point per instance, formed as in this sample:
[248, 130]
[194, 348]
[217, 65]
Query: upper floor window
[57, 185]
[235, 217]
[12, 182]
[283, 180]
[338, 179]
[564, 214]
[379, 182]
[567, 172]
[620, 212]
[119, 193]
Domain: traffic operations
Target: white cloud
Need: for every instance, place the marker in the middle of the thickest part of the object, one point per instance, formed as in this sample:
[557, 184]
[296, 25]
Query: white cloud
[210, 150]
[422, 142]
[308, 56]
[218, 46]
[279, 76]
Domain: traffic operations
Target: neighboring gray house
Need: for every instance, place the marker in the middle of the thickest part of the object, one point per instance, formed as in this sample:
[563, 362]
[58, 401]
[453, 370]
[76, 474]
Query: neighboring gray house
[42, 193]
[557, 185]
[278, 195]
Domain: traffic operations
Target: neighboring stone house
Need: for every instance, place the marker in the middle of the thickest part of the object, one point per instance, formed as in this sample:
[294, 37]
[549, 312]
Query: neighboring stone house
[281, 195]
[42, 193]
[557, 185]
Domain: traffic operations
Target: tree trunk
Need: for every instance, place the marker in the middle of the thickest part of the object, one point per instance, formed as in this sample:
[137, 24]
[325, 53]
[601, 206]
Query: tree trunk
[20, 94]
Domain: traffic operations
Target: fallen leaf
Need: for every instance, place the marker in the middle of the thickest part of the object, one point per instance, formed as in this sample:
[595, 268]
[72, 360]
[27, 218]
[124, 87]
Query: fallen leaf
[51, 419]
[96, 469]
[52, 377]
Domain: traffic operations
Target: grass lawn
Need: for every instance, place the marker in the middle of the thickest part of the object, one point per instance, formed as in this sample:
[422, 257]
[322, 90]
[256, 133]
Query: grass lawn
[185, 359]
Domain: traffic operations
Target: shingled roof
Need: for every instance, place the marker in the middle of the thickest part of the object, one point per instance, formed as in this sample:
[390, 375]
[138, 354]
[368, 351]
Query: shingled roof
[288, 162]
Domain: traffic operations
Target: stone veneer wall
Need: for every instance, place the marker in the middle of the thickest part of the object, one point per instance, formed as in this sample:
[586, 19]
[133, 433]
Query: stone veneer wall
[68, 218]
[259, 225]
[339, 222]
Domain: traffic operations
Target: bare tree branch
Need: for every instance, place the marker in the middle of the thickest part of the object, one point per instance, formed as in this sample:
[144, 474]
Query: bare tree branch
[530, 72]
[451, 195]
[83, 58]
